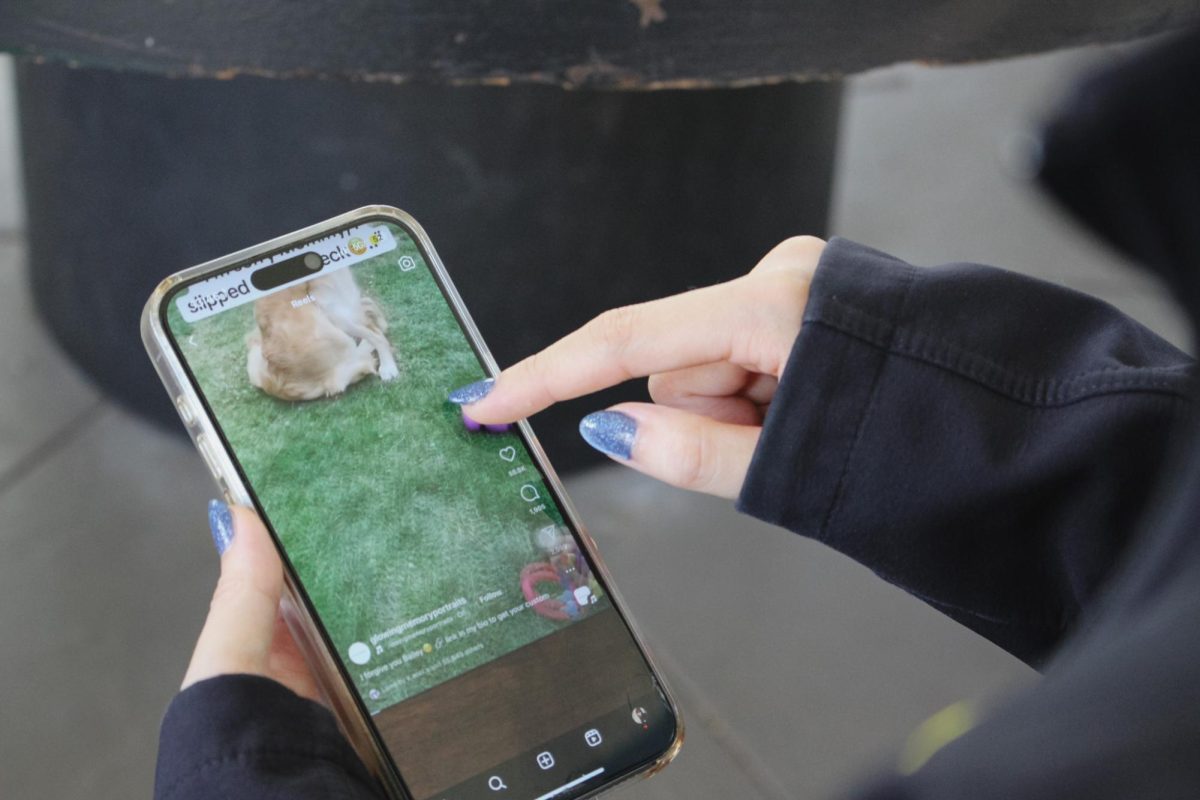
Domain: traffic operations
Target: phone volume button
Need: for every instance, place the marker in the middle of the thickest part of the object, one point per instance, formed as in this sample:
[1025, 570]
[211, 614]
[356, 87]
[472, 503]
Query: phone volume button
[214, 466]
[210, 459]
[185, 410]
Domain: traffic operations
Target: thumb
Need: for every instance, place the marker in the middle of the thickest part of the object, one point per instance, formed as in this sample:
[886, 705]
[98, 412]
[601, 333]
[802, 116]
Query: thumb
[683, 449]
[240, 627]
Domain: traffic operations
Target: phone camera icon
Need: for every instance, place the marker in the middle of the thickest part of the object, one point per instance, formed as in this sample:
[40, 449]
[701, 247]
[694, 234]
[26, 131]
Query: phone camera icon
[408, 263]
[496, 783]
[593, 738]
[545, 760]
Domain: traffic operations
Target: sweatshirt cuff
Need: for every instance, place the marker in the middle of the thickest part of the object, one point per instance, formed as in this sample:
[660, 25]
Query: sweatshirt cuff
[244, 719]
[824, 395]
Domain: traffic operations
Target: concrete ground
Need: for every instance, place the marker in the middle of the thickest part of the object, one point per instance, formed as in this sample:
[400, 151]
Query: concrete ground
[796, 669]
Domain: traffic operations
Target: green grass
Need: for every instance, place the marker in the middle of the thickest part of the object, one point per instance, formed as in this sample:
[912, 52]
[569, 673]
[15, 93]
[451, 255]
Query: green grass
[386, 505]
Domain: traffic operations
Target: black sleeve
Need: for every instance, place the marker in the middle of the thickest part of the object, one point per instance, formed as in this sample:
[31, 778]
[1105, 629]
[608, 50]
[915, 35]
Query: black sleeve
[242, 736]
[981, 439]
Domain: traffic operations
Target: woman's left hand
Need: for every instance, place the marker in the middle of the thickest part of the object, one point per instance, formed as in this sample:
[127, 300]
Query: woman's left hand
[245, 632]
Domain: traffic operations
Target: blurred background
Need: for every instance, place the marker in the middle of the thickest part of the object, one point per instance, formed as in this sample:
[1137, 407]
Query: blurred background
[796, 669]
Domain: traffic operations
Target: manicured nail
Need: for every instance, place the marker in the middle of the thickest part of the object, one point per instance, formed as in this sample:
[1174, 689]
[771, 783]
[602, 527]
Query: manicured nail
[220, 520]
[472, 392]
[472, 425]
[610, 432]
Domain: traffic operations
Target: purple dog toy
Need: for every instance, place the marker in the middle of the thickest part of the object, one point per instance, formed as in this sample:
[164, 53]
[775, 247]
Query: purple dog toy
[474, 426]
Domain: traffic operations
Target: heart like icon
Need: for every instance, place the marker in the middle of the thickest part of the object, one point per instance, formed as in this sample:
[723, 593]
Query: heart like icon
[508, 453]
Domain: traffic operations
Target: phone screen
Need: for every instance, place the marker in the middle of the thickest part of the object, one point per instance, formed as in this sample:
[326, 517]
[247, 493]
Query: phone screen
[437, 557]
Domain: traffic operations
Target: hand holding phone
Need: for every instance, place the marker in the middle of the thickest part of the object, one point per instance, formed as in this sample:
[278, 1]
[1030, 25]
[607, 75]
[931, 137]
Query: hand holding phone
[244, 632]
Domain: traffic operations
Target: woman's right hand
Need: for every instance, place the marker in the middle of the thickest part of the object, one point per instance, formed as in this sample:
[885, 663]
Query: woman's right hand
[714, 357]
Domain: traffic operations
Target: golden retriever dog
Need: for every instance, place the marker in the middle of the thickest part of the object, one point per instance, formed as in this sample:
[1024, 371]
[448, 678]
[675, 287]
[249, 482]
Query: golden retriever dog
[317, 338]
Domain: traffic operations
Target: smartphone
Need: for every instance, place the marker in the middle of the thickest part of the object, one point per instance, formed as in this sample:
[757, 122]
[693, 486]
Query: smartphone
[457, 615]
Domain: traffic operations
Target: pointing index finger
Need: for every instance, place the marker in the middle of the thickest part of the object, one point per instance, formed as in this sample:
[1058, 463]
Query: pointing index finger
[696, 327]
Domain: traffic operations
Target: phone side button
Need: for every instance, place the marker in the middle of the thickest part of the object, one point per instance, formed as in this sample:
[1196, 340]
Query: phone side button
[185, 410]
[210, 461]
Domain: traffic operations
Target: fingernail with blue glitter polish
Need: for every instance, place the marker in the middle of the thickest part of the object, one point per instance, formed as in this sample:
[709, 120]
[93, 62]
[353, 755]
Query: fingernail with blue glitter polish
[220, 520]
[610, 432]
[472, 392]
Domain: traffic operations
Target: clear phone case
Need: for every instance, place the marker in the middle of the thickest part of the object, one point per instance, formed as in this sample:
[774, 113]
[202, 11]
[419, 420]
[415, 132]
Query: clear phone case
[337, 693]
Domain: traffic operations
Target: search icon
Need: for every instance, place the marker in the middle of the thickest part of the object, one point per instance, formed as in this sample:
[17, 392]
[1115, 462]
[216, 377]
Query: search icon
[496, 784]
